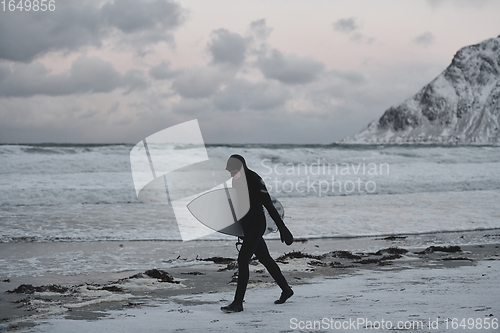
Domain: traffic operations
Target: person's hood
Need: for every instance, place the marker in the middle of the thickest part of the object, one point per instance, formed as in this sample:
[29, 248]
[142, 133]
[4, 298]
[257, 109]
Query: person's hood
[235, 162]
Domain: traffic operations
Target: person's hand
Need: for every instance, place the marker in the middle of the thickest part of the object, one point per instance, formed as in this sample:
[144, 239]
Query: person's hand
[286, 236]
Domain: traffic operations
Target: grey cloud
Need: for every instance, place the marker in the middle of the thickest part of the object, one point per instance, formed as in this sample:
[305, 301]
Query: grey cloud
[87, 75]
[435, 3]
[352, 77]
[4, 72]
[78, 23]
[134, 80]
[425, 39]
[242, 94]
[193, 107]
[460, 3]
[289, 68]
[114, 108]
[260, 29]
[142, 23]
[131, 16]
[142, 42]
[199, 82]
[360, 38]
[227, 47]
[90, 75]
[346, 25]
[162, 71]
[87, 114]
[351, 27]
[25, 35]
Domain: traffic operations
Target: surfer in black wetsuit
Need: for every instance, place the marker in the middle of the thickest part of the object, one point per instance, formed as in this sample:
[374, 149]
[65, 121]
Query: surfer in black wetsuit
[254, 226]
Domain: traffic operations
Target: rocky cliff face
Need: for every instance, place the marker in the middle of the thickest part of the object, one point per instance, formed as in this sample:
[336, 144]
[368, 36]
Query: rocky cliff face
[462, 105]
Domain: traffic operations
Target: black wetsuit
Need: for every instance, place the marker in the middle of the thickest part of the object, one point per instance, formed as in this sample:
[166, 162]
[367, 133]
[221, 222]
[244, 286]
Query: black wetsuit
[254, 226]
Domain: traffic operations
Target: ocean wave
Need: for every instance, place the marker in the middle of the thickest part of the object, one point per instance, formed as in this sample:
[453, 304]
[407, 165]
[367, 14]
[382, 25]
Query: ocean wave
[51, 174]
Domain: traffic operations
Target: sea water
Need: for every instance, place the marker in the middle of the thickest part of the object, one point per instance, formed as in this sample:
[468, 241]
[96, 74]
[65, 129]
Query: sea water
[66, 192]
[60, 193]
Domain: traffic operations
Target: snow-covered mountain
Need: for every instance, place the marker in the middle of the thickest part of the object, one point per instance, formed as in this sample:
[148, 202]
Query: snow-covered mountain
[461, 105]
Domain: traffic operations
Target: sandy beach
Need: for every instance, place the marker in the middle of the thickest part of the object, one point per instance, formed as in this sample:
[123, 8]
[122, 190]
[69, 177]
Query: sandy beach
[431, 282]
[139, 139]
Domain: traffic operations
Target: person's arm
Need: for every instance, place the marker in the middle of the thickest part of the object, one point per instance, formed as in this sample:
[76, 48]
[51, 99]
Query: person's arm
[265, 198]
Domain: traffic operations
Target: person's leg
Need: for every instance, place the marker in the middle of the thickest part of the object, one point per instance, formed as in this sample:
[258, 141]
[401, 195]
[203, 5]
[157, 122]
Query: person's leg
[247, 250]
[272, 267]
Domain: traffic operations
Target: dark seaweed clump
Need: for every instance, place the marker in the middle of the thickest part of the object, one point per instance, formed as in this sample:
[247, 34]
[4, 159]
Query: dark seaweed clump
[342, 255]
[297, 255]
[193, 273]
[30, 289]
[219, 260]
[333, 264]
[432, 249]
[394, 238]
[159, 274]
[111, 288]
[391, 250]
[229, 267]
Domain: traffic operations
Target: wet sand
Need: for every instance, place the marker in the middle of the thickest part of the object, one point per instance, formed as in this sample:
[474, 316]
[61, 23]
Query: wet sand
[208, 284]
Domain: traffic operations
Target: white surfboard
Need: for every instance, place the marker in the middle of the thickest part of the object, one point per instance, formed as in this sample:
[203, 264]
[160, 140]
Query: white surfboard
[220, 210]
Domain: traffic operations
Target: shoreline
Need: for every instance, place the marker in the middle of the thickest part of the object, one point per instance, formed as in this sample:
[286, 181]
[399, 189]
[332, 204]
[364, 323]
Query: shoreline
[91, 296]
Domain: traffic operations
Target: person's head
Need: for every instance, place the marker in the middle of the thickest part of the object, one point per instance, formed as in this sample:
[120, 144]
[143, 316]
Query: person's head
[234, 164]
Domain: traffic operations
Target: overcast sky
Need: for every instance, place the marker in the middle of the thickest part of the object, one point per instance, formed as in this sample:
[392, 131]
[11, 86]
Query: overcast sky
[261, 71]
